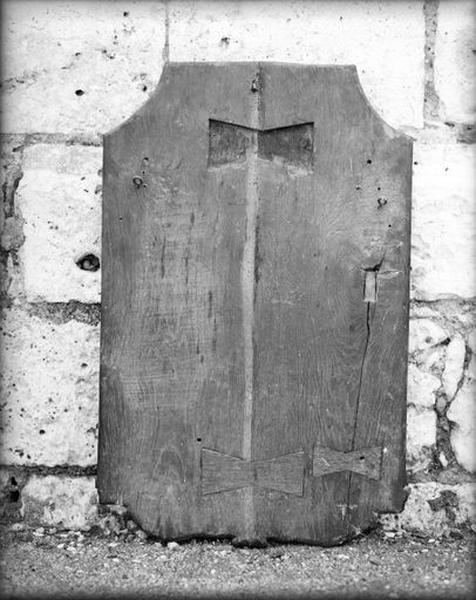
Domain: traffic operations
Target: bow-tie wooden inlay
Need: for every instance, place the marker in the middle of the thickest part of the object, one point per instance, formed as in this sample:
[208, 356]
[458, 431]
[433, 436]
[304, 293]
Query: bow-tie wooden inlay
[222, 472]
[292, 145]
[366, 461]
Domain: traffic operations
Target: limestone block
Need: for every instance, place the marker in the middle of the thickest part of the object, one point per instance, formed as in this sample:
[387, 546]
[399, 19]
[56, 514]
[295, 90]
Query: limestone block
[443, 259]
[62, 502]
[421, 387]
[49, 391]
[472, 345]
[466, 493]
[384, 40]
[425, 333]
[463, 414]
[453, 372]
[59, 198]
[455, 65]
[421, 437]
[422, 311]
[78, 67]
[431, 360]
[434, 508]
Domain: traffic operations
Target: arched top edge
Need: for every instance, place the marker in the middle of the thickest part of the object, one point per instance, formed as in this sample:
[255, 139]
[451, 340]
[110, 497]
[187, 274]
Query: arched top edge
[392, 132]
[138, 112]
[259, 65]
[349, 70]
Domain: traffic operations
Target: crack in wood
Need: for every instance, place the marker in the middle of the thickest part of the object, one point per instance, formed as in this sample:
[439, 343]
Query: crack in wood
[370, 298]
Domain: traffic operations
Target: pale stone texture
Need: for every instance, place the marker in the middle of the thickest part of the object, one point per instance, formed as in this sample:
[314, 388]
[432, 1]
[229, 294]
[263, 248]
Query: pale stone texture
[444, 222]
[59, 198]
[463, 414]
[384, 40]
[62, 502]
[455, 65]
[467, 503]
[421, 437]
[418, 515]
[53, 49]
[49, 391]
[453, 372]
[431, 360]
[421, 387]
[5, 476]
[425, 333]
[472, 340]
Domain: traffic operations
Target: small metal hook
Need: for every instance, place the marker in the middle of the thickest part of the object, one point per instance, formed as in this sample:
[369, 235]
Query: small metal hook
[381, 202]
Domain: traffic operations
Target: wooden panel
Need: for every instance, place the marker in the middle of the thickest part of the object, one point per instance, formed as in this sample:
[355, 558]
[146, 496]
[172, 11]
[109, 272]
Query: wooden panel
[255, 306]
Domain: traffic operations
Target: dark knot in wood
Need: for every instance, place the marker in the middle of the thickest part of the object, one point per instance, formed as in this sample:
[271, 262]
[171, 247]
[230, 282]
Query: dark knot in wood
[138, 181]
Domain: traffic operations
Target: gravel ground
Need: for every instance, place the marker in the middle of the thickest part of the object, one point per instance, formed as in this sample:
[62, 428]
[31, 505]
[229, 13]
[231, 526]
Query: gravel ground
[45, 563]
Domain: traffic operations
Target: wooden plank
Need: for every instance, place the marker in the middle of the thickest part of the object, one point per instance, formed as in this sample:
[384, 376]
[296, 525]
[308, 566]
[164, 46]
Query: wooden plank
[172, 352]
[316, 326]
[255, 306]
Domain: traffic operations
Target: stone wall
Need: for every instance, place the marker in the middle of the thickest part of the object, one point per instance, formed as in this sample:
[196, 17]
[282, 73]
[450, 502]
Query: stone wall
[74, 70]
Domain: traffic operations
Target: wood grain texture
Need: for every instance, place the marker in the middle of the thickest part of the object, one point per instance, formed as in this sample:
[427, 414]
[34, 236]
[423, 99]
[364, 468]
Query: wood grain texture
[339, 358]
[229, 143]
[221, 472]
[254, 302]
[365, 461]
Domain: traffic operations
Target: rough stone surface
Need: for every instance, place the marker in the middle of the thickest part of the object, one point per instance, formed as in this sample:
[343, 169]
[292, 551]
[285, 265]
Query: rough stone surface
[421, 387]
[425, 333]
[62, 502]
[49, 391]
[59, 198]
[472, 341]
[455, 315]
[388, 56]
[455, 64]
[421, 437]
[435, 508]
[431, 360]
[444, 222]
[462, 413]
[70, 503]
[78, 66]
[11, 223]
[10, 502]
[453, 372]
[12, 233]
